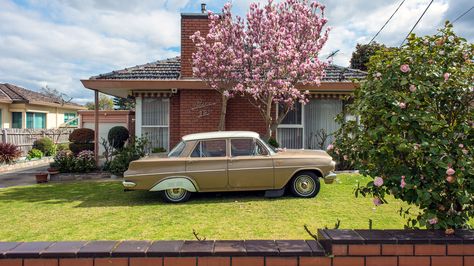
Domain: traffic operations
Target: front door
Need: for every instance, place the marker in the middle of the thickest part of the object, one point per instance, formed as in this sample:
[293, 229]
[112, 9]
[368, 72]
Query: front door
[207, 165]
[250, 165]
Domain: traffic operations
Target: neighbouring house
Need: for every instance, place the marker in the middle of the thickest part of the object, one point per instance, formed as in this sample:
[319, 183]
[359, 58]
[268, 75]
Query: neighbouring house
[22, 108]
[107, 120]
[170, 102]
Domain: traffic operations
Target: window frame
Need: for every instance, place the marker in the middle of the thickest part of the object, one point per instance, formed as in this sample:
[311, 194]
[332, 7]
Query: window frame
[34, 114]
[140, 103]
[21, 119]
[292, 126]
[68, 115]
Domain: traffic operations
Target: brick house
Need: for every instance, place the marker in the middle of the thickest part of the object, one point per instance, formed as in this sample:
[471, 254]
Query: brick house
[170, 102]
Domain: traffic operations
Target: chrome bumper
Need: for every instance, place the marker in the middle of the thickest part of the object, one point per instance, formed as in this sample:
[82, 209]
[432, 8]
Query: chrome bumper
[128, 184]
[331, 175]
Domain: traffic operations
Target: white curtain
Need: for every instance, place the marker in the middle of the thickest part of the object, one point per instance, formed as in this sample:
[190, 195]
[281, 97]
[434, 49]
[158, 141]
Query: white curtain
[155, 121]
[320, 118]
[290, 138]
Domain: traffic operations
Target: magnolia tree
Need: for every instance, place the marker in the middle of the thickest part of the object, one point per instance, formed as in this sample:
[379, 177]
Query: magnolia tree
[416, 131]
[266, 56]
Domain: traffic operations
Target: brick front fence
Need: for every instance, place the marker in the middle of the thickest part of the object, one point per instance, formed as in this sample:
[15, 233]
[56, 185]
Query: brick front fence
[334, 248]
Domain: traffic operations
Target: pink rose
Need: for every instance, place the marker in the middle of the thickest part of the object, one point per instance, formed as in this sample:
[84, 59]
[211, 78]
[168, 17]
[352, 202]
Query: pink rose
[412, 88]
[450, 179]
[345, 157]
[446, 76]
[450, 171]
[461, 145]
[378, 181]
[402, 182]
[464, 151]
[433, 221]
[377, 201]
[402, 105]
[405, 68]
[330, 147]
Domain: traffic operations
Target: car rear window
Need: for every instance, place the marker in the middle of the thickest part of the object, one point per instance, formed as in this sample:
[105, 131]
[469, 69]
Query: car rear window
[210, 148]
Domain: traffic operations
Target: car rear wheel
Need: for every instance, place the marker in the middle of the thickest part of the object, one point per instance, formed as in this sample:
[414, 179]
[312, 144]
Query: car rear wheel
[175, 195]
[305, 184]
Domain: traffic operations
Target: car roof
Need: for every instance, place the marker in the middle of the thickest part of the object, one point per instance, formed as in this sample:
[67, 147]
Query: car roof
[221, 134]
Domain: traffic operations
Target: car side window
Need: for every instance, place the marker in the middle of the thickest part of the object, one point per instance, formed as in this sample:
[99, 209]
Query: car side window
[242, 147]
[210, 148]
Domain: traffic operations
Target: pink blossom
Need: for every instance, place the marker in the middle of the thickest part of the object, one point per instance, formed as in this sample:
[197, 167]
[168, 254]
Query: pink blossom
[405, 68]
[402, 182]
[464, 151]
[450, 171]
[461, 145]
[378, 181]
[402, 105]
[345, 157]
[378, 75]
[446, 76]
[412, 88]
[377, 201]
[330, 147]
[433, 221]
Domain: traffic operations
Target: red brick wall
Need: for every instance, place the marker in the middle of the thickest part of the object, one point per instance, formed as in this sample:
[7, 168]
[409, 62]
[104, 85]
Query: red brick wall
[189, 25]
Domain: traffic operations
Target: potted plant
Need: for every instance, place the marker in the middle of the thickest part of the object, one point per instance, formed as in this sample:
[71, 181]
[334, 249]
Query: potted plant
[53, 169]
[41, 178]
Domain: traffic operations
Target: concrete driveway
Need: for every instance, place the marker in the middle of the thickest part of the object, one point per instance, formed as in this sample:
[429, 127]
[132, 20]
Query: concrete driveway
[21, 177]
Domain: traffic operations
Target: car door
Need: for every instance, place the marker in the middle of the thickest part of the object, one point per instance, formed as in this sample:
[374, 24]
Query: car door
[207, 165]
[250, 165]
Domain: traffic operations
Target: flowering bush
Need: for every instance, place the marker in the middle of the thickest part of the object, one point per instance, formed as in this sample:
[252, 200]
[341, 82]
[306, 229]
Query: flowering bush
[416, 131]
[85, 162]
[67, 162]
[64, 161]
[134, 150]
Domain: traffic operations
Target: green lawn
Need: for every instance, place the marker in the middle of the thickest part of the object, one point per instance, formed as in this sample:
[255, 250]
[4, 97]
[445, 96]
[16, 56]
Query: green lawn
[101, 210]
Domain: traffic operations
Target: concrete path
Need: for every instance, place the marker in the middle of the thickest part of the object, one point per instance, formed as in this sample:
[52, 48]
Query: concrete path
[21, 177]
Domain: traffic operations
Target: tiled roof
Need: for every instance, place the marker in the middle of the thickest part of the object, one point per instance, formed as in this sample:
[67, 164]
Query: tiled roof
[171, 69]
[21, 95]
[162, 69]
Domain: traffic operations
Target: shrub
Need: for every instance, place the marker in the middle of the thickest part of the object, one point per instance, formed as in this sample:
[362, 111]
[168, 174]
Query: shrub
[158, 150]
[78, 147]
[9, 152]
[117, 136]
[65, 161]
[273, 142]
[416, 131]
[134, 150]
[85, 162]
[34, 153]
[45, 145]
[82, 135]
[63, 146]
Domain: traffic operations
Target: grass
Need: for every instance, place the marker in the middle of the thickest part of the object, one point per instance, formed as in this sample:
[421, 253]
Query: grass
[101, 210]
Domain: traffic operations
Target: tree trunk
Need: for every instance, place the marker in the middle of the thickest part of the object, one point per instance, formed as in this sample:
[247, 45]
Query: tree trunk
[221, 126]
[268, 119]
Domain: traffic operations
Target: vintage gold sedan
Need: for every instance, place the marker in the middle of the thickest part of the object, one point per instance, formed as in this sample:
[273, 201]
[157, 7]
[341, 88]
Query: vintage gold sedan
[230, 161]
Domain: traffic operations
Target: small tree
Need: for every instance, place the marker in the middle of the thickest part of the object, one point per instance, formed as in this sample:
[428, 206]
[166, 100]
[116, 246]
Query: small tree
[105, 103]
[55, 94]
[265, 57]
[363, 52]
[124, 103]
[416, 131]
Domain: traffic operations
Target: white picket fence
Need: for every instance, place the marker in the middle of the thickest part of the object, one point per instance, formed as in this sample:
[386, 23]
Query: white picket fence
[24, 137]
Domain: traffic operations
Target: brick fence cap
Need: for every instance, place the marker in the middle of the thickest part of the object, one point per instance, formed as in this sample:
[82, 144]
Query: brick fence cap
[261, 247]
[377, 236]
[229, 248]
[6, 246]
[316, 248]
[97, 249]
[344, 236]
[423, 237]
[66, 249]
[165, 248]
[467, 236]
[197, 248]
[293, 248]
[131, 249]
[28, 250]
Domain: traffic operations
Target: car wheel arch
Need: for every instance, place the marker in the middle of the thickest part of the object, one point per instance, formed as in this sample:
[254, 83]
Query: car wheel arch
[183, 182]
[316, 171]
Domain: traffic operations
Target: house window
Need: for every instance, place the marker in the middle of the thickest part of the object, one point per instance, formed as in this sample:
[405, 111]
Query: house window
[35, 120]
[68, 117]
[320, 122]
[1, 119]
[290, 131]
[155, 121]
[17, 119]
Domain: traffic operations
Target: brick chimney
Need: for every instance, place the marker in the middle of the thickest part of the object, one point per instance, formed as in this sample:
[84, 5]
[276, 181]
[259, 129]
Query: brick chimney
[190, 23]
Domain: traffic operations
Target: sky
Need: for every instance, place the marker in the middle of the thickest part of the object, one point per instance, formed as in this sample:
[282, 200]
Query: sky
[58, 42]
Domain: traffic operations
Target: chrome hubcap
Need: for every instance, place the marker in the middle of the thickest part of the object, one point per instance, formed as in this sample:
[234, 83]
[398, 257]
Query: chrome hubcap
[304, 185]
[175, 193]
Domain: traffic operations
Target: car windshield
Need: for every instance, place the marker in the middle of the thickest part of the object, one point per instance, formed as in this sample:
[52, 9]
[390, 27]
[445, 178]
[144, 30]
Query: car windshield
[269, 146]
[177, 150]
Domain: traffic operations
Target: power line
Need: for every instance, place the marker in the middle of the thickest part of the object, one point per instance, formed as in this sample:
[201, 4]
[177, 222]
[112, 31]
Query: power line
[414, 26]
[396, 10]
[462, 15]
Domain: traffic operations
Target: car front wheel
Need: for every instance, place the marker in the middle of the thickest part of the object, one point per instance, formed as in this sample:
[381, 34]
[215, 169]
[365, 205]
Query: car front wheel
[305, 184]
[175, 195]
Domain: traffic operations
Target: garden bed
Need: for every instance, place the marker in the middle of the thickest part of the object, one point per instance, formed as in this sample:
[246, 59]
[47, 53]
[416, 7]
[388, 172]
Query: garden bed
[79, 176]
[23, 164]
